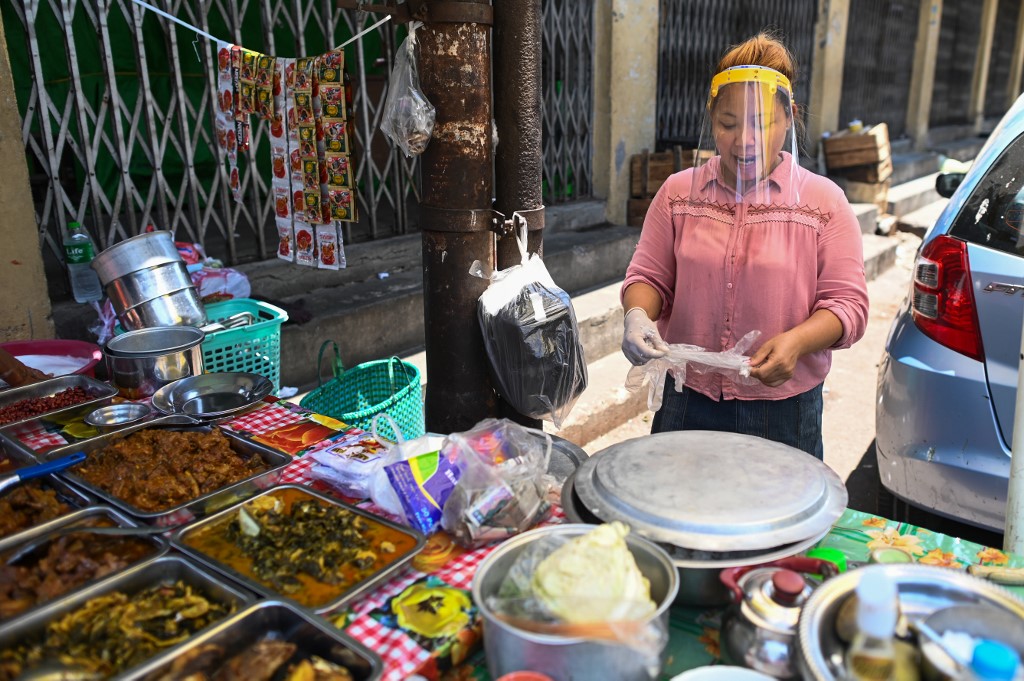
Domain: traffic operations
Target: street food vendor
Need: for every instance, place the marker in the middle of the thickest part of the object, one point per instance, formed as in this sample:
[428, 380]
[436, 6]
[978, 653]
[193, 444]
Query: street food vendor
[15, 373]
[748, 240]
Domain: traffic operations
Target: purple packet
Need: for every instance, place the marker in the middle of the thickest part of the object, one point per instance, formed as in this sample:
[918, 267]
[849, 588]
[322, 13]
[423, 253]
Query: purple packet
[423, 484]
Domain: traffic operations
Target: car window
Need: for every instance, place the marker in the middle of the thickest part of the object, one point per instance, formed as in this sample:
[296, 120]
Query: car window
[993, 215]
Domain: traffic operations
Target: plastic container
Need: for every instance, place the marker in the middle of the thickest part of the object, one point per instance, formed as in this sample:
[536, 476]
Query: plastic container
[90, 353]
[253, 348]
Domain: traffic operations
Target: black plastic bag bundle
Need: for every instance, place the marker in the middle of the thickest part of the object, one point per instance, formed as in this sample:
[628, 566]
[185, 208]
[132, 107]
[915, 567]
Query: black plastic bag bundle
[532, 341]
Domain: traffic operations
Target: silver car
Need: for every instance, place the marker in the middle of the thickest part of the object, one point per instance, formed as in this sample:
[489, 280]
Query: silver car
[947, 384]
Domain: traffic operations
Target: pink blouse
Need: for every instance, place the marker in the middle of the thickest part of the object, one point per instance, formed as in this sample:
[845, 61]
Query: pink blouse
[725, 270]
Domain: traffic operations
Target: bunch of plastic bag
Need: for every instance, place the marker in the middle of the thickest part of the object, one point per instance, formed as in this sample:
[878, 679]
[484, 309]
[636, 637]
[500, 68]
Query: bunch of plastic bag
[408, 118]
[503, 484]
[532, 340]
[680, 358]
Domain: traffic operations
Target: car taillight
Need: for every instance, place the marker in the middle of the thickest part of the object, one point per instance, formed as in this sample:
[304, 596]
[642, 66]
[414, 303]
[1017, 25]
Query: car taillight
[943, 303]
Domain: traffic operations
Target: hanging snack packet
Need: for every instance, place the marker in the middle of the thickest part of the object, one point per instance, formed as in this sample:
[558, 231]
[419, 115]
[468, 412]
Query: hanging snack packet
[305, 245]
[327, 247]
[265, 68]
[408, 118]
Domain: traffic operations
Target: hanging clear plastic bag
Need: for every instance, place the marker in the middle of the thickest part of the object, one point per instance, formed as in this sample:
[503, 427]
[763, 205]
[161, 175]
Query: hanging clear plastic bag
[681, 358]
[408, 118]
[531, 336]
[503, 483]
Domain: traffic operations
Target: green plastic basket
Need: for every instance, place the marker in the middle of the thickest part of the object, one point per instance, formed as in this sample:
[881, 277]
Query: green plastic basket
[254, 348]
[356, 395]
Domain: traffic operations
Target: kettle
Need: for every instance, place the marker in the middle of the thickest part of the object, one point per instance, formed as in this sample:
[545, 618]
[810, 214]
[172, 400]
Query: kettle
[759, 628]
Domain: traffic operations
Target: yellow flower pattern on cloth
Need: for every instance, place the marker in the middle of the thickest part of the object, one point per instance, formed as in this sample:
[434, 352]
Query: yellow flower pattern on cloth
[880, 523]
[990, 556]
[432, 611]
[940, 558]
[890, 537]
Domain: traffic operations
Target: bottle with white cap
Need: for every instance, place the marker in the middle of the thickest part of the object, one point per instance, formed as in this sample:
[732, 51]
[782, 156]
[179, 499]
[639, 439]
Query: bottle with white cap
[872, 655]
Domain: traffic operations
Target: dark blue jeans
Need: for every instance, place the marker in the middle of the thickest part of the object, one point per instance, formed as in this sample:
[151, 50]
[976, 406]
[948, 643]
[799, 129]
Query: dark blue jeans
[795, 421]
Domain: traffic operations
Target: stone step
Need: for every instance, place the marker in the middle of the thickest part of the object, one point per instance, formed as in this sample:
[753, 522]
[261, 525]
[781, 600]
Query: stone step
[920, 221]
[909, 196]
[867, 215]
[912, 165]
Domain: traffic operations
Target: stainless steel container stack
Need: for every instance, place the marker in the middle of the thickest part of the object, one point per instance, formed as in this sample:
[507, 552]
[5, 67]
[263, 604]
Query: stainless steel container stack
[148, 284]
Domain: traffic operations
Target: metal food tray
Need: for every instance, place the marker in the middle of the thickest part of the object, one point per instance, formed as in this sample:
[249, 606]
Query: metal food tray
[195, 508]
[163, 570]
[160, 545]
[179, 539]
[71, 495]
[104, 394]
[280, 621]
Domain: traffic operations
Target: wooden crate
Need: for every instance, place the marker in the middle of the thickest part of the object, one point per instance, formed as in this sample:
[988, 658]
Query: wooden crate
[647, 171]
[846, 149]
[872, 173]
[636, 211]
[867, 192]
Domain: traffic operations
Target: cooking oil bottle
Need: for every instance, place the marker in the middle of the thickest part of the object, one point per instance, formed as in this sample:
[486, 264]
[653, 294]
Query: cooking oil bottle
[872, 655]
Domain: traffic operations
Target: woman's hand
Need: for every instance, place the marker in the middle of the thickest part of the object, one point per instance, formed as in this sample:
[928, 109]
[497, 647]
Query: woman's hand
[774, 362]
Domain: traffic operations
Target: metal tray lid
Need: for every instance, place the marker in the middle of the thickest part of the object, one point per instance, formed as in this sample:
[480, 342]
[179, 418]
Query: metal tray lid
[712, 491]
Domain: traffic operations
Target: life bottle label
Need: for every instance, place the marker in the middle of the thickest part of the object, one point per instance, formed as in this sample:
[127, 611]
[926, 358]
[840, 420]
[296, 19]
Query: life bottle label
[78, 254]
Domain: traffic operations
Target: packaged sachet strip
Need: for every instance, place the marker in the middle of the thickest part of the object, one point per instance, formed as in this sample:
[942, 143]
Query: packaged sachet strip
[328, 247]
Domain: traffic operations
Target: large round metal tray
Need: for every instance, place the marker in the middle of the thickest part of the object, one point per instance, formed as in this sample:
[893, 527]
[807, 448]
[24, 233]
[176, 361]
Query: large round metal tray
[923, 589]
[712, 491]
[683, 557]
[212, 396]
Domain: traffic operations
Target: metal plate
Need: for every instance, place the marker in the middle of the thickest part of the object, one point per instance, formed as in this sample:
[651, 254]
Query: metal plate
[576, 512]
[279, 621]
[212, 395]
[102, 393]
[86, 517]
[200, 506]
[712, 491]
[923, 589]
[180, 541]
[163, 570]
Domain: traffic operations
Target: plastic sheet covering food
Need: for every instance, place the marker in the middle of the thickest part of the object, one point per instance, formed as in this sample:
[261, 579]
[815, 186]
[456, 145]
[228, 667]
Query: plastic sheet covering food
[532, 340]
[681, 358]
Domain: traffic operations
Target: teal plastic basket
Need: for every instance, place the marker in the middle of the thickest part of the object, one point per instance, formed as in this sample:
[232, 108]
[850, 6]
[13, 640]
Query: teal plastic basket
[354, 396]
[254, 348]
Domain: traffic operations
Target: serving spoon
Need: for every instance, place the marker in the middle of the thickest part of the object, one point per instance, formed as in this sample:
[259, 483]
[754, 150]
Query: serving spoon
[39, 470]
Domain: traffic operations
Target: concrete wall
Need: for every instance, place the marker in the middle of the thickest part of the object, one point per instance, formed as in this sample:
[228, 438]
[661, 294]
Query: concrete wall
[625, 93]
[24, 305]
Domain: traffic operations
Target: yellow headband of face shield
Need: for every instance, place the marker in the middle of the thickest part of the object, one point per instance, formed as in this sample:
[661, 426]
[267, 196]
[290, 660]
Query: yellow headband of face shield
[750, 74]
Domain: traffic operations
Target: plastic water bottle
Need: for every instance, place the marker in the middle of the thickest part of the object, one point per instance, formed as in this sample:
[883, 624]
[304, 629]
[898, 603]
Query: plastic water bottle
[79, 252]
[872, 655]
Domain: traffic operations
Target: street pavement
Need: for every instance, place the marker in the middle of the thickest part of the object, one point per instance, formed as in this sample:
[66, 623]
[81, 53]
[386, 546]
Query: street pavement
[849, 406]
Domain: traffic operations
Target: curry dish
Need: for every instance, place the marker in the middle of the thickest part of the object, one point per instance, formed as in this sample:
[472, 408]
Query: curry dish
[31, 503]
[261, 661]
[67, 563]
[111, 633]
[297, 544]
[155, 469]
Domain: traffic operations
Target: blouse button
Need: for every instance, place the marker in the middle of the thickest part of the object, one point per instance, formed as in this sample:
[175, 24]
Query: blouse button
[729, 285]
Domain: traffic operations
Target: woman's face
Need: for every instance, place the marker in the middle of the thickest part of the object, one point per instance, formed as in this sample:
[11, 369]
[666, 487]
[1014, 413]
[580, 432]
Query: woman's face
[750, 130]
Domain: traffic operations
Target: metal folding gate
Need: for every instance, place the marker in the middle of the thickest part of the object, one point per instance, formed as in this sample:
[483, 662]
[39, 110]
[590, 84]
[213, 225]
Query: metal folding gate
[999, 66]
[693, 35]
[879, 62]
[954, 62]
[117, 107]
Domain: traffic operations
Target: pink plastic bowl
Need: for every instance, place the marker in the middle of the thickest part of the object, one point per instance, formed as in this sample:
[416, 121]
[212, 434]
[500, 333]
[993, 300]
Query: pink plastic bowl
[59, 348]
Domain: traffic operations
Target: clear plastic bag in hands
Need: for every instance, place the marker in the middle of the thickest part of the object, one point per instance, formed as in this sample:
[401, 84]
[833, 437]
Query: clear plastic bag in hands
[503, 484]
[681, 358]
[408, 118]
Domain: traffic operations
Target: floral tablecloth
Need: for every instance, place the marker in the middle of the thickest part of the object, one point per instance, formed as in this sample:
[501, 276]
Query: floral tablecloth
[424, 621]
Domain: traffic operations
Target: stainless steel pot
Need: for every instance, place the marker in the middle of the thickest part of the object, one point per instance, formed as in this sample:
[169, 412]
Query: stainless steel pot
[141, 362]
[509, 648]
[148, 284]
[699, 571]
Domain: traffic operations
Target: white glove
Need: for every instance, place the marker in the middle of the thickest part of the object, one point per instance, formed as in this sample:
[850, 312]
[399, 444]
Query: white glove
[641, 341]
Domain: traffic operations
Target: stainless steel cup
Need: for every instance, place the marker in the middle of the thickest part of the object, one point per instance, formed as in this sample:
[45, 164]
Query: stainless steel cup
[143, 361]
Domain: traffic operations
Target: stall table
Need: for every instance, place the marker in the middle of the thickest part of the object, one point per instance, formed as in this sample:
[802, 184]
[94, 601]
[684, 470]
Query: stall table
[424, 622]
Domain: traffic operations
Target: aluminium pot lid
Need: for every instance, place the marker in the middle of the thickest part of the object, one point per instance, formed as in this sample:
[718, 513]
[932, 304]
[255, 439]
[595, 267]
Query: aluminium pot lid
[712, 491]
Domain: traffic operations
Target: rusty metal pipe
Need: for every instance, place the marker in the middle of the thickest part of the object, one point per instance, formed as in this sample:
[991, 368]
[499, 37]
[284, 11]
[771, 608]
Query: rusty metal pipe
[455, 74]
[518, 160]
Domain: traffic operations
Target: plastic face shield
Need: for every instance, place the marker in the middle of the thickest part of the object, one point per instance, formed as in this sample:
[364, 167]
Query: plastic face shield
[748, 135]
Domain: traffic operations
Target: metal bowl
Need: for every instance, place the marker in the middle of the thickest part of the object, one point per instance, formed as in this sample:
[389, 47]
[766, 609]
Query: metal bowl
[978, 621]
[213, 395]
[115, 416]
[923, 590]
[143, 361]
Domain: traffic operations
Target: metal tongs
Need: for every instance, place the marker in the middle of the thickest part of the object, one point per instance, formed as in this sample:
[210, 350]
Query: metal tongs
[39, 470]
[234, 321]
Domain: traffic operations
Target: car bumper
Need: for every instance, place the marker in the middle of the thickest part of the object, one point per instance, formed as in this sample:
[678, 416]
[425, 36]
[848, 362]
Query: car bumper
[937, 440]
